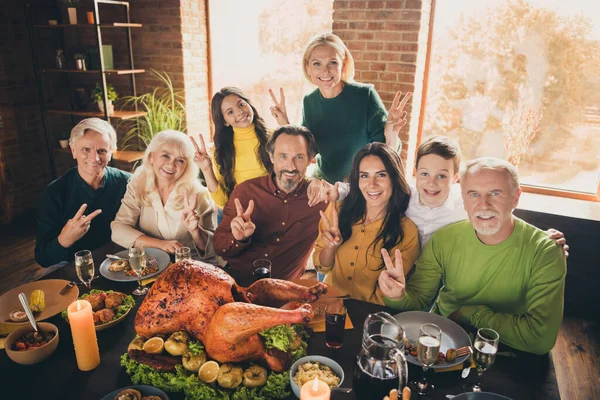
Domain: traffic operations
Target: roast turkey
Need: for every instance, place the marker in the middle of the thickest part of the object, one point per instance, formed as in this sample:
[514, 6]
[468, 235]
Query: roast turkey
[206, 302]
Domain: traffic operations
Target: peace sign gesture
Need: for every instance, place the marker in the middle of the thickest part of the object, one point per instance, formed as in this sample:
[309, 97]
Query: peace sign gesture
[331, 234]
[396, 119]
[242, 226]
[76, 227]
[189, 215]
[391, 280]
[201, 157]
[278, 109]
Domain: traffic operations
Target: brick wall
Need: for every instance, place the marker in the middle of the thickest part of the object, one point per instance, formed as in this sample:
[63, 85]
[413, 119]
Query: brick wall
[383, 37]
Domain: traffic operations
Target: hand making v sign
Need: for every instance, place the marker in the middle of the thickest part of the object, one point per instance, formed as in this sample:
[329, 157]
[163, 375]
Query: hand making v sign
[76, 227]
[396, 119]
[278, 109]
[242, 226]
[189, 215]
[331, 234]
[391, 280]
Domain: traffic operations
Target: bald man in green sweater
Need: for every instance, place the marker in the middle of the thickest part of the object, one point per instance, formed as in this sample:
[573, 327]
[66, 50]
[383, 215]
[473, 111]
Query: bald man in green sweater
[496, 270]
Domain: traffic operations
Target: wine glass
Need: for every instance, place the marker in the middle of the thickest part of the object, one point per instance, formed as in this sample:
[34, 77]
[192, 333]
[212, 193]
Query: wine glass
[84, 266]
[137, 261]
[183, 253]
[484, 354]
[428, 349]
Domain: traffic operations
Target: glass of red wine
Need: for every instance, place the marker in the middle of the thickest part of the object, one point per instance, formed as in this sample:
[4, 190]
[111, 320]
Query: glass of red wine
[262, 269]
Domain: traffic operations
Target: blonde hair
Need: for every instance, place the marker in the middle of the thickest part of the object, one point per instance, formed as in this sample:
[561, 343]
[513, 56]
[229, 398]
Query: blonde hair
[144, 178]
[329, 39]
[95, 124]
[492, 163]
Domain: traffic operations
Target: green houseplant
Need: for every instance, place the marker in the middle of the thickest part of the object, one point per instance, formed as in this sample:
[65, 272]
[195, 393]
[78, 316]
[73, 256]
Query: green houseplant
[98, 97]
[164, 110]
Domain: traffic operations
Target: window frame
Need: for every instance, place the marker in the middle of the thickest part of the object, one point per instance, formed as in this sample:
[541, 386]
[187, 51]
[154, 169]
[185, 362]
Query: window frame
[526, 188]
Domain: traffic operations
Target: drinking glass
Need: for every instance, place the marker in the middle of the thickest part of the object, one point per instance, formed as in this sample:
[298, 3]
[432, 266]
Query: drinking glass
[428, 348]
[484, 354]
[335, 322]
[183, 253]
[262, 269]
[84, 266]
[137, 261]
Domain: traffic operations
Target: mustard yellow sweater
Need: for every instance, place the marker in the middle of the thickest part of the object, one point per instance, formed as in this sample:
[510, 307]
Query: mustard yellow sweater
[247, 164]
[356, 267]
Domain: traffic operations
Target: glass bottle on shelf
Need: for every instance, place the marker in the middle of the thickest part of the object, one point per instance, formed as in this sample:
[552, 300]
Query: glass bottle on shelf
[61, 61]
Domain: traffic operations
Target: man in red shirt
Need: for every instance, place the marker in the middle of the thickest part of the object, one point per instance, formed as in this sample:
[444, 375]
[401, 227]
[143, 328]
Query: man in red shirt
[270, 217]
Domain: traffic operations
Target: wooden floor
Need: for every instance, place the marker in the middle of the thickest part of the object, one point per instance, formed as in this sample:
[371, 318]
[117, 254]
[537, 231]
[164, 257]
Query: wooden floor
[576, 353]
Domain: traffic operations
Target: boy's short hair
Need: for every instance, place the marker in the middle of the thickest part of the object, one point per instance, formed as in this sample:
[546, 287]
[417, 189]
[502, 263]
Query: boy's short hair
[441, 146]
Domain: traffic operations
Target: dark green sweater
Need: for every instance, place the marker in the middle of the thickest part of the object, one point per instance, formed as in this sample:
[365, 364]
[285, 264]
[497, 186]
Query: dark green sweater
[342, 126]
[62, 199]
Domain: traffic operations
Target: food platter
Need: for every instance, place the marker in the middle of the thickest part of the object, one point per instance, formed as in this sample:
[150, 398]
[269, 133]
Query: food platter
[128, 301]
[453, 336]
[120, 276]
[145, 390]
[325, 299]
[55, 302]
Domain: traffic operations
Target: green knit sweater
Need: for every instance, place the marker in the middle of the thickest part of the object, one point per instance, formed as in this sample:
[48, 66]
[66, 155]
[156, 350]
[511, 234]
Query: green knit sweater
[516, 287]
[342, 126]
[62, 199]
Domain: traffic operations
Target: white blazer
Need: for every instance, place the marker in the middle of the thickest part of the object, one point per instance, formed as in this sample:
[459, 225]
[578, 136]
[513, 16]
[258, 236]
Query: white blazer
[135, 219]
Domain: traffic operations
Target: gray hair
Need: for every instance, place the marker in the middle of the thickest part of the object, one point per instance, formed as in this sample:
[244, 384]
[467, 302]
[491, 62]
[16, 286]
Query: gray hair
[492, 163]
[96, 124]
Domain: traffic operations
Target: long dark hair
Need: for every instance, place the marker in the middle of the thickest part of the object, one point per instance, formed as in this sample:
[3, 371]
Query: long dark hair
[224, 150]
[353, 209]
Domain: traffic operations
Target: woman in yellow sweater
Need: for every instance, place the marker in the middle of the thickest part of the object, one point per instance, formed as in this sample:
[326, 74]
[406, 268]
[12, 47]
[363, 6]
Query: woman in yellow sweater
[371, 220]
[240, 150]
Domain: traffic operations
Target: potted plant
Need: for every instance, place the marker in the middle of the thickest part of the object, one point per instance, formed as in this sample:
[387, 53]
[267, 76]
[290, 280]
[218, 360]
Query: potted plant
[164, 110]
[63, 138]
[79, 61]
[71, 4]
[98, 97]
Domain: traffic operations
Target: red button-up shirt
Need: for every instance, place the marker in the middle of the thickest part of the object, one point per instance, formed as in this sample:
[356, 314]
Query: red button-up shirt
[286, 229]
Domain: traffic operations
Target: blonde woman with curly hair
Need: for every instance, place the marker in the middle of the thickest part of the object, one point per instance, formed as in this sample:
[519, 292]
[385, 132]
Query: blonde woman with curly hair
[165, 205]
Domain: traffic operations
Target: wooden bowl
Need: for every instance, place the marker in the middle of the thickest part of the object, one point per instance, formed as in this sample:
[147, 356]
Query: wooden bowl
[36, 355]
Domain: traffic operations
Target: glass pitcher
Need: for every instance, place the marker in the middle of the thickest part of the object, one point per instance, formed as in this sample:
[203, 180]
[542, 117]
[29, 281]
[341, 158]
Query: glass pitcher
[380, 364]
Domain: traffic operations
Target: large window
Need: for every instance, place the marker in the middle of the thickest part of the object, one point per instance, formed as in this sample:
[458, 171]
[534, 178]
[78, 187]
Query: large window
[257, 45]
[520, 79]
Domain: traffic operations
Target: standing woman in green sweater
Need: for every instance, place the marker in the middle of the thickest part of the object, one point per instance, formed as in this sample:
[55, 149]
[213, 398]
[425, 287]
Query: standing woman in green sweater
[240, 151]
[342, 114]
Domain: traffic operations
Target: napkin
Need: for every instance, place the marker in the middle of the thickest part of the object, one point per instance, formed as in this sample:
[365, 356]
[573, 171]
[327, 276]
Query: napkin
[319, 326]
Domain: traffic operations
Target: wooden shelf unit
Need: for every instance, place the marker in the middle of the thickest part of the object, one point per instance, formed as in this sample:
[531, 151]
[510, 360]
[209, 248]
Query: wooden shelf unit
[95, 71]
[117, 114]
[83, 26]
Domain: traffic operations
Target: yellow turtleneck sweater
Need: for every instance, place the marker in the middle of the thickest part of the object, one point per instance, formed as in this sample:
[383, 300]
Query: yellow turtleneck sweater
[247, 164]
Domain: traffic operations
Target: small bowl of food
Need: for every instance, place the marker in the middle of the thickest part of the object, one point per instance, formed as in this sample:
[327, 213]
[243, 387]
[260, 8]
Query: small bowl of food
[311, 367]
[26, 346]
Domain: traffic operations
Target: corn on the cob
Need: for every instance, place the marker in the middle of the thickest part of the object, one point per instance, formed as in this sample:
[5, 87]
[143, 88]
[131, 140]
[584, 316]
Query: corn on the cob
[37, 301]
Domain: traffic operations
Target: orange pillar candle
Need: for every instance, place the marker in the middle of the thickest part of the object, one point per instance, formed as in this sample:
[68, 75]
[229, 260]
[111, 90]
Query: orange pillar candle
[315, 390]
[83, 331]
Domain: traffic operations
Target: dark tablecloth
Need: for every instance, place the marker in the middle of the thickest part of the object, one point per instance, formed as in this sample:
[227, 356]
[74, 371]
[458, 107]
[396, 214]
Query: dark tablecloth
[524, 377]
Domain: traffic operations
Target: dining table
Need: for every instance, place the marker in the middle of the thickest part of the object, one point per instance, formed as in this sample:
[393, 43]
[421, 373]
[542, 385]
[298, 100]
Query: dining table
[517, 376]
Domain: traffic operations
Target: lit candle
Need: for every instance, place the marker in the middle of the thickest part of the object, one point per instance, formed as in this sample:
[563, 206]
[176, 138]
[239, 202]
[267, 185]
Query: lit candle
[83, 331]
[315, 390]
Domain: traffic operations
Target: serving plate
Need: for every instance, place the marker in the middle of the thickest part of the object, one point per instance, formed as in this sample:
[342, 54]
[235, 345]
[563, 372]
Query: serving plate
[55, 302]
[480, 396]
[145, 390]
[120, 276]
[325, 299]
[108, 324]
[453, 336]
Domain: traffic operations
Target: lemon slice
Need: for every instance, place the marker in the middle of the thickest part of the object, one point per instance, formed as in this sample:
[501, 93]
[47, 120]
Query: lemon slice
[154, 345]
[208, 371]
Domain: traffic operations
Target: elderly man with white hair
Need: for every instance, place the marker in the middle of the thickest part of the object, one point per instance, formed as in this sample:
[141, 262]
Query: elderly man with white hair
[496, 270]
[76, 209]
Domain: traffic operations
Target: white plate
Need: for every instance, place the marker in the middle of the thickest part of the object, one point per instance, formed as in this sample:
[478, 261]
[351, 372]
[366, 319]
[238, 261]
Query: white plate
[120, 276]
[453, 336]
